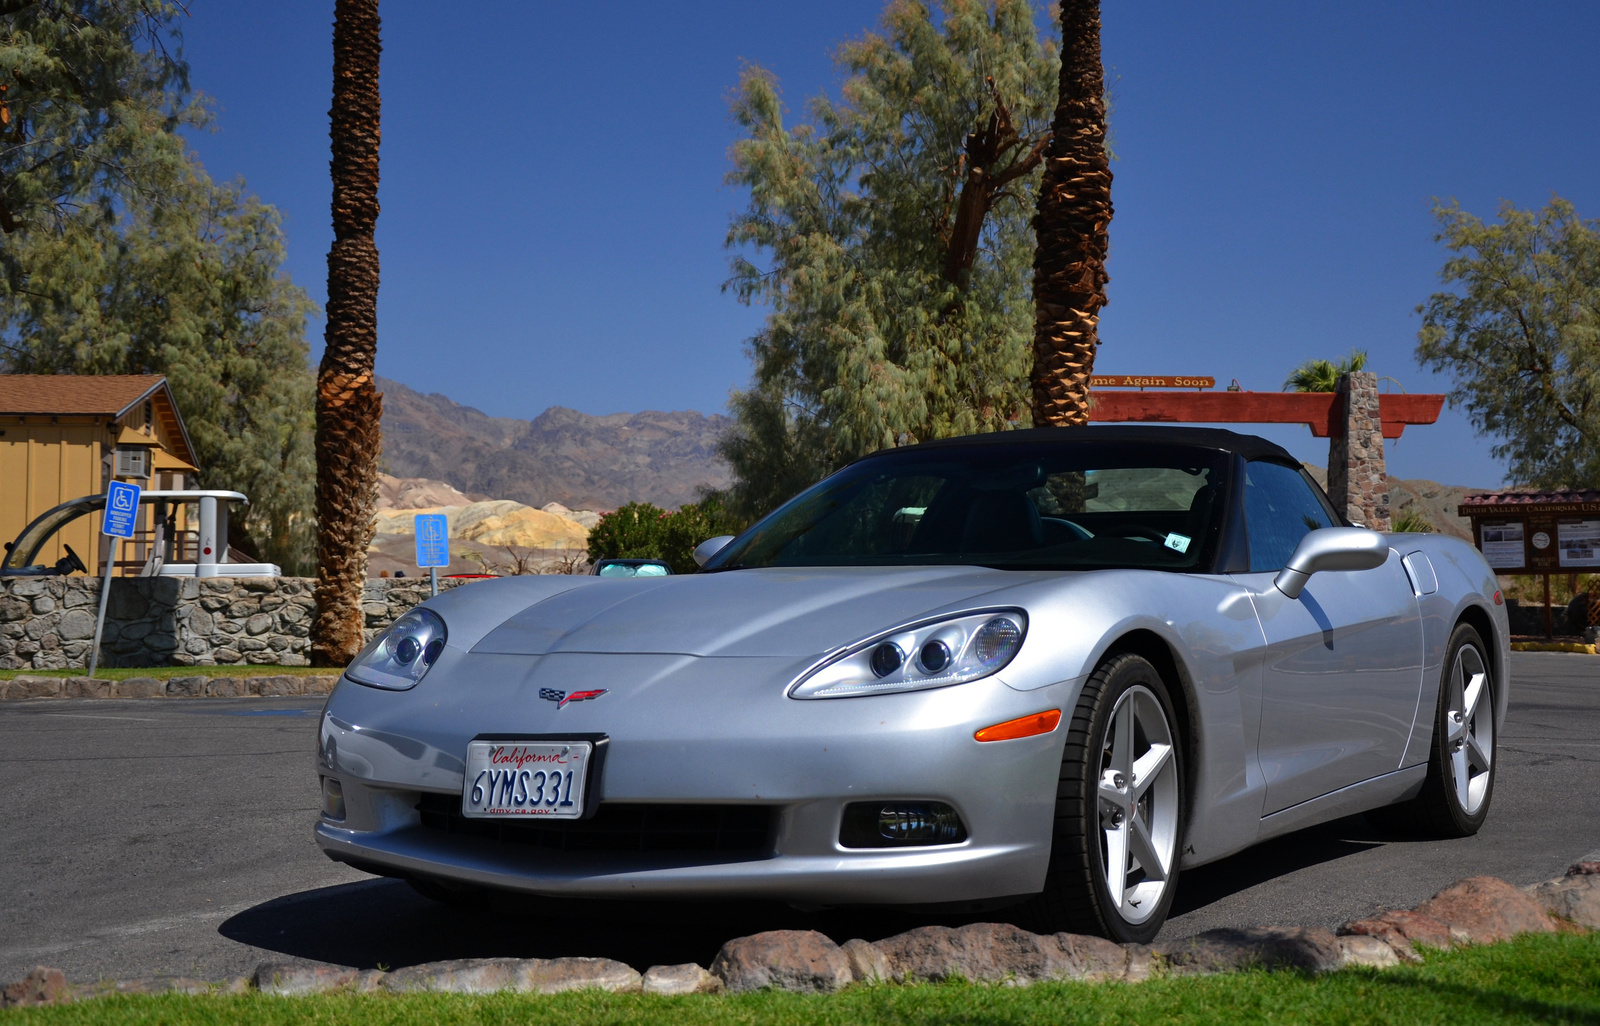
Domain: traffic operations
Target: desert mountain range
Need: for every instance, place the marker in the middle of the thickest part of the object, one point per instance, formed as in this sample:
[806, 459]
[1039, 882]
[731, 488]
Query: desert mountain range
[576, 459]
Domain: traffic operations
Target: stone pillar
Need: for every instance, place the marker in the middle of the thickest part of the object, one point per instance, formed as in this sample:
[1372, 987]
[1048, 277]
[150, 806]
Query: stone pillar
[1358, 482]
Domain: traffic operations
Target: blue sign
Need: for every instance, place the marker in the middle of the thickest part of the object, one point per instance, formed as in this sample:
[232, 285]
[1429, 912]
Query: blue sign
[433, 540]
[122, 510]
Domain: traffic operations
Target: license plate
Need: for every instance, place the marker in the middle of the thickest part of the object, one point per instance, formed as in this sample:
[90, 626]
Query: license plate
[526, 778]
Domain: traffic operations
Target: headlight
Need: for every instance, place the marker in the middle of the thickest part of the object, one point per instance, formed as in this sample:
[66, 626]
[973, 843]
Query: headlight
[399, 656]
[930, 654]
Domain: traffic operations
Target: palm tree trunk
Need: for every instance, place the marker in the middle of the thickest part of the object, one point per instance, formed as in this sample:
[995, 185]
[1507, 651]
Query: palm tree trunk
[348, 403]
[1069, 266]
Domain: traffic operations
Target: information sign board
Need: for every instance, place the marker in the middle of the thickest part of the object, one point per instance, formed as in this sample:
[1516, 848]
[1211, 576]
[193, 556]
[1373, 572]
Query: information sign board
[122, 510]
[433, 540]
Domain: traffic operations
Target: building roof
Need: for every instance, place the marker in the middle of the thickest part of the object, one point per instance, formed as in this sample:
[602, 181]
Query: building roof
[1561, 496]
[92, 395]
[1251, 447]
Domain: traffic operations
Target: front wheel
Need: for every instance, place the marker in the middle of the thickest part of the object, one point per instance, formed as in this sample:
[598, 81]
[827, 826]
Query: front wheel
[1119, 809]
[1461, 761]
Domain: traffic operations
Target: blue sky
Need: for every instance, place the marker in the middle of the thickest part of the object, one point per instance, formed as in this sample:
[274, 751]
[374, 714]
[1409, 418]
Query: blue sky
[553, 206]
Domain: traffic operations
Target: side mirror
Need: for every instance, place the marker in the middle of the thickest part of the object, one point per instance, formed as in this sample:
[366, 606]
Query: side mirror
[1331, 548]
[710, 547]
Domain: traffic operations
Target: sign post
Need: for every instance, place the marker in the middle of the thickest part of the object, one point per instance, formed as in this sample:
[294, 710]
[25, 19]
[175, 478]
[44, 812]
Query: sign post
[121, 517]
[433, 545]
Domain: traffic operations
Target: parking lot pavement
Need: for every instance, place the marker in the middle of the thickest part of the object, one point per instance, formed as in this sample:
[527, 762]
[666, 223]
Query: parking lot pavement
[174, 836]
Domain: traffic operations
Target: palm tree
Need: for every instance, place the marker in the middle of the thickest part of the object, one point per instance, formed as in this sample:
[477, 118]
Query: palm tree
[1069, 266]
[1322, 376]
[348, 403]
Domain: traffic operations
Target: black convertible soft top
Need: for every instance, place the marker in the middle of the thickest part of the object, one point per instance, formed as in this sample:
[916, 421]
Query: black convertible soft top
[1251, 447]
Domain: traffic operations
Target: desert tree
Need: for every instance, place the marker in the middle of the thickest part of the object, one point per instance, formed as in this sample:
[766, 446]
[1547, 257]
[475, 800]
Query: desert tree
[887, 235]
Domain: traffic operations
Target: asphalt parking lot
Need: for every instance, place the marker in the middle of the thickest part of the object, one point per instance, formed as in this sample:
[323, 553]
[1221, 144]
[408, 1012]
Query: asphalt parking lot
[174, 837]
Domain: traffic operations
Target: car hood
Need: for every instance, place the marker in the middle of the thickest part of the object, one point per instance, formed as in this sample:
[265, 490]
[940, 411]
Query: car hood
[764, 612]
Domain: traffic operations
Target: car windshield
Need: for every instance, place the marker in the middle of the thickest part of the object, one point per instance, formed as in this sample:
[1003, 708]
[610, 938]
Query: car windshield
[1081, 506]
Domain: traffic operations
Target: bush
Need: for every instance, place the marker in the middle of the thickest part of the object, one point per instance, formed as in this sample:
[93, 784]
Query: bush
[640, 530]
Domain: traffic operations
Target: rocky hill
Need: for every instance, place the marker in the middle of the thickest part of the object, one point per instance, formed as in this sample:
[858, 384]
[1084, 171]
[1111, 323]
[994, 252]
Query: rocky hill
[576, 459]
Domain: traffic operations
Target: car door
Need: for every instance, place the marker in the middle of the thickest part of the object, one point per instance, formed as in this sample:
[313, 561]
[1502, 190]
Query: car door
[1342, 666]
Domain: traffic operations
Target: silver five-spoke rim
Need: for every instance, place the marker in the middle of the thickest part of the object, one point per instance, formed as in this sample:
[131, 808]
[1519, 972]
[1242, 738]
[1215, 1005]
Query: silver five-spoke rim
[1469, 726]
[1138, 804]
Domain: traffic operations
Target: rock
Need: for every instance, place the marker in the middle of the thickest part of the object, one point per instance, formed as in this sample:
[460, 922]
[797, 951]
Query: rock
[13, 608]
[186, 687]
[44, 604]
[1097, 959]
[85, 687]
[227, 655]
[797, 960]
[1357, 949]
[76, 625]
[34, 687]
[1584, 869]
[321, 685]
[275, 687]
[287, 979]
[1403, 930]
[261, 623]
[531, 975]
[1214, 951]
[43, 986]
[981, 952]
[867, 964]
[457, 976]
[1485, 908]
[687, 978]
[140, 687]
[227, 687]
[1575, 897]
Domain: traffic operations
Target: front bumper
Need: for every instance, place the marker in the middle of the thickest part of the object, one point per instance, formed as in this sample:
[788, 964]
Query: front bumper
[697, 731]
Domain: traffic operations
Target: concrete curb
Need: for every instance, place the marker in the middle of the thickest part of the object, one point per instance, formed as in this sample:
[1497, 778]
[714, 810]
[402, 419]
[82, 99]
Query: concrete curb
[1479, 910]
[243, 686]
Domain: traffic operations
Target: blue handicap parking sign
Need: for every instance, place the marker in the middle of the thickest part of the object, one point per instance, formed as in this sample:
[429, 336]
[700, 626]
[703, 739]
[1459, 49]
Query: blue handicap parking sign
[433, 539]
[122, 510]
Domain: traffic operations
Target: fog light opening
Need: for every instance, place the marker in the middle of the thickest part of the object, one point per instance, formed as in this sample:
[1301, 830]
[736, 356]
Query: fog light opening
[900, 824]
[332, 798]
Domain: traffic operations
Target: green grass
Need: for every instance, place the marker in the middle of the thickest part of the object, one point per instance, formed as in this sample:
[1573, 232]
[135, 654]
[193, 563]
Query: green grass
[1554, 979]
[163, 672]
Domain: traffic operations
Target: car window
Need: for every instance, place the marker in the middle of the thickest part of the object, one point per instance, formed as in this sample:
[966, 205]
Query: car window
[1024, 506]
[1280, 508]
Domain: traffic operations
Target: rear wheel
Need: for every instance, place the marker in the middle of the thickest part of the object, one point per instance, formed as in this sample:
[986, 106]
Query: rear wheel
[1119, 809]
[1461, 761]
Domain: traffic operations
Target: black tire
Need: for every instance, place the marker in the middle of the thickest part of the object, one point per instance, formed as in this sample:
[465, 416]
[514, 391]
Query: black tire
[1076, 897]
[1437, 811]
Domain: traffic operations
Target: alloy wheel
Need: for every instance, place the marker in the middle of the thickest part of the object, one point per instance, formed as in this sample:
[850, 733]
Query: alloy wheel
[1469, 724]
[1138, 804]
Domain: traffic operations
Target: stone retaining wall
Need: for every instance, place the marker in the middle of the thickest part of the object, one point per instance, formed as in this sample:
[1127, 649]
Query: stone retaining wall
[48, 622]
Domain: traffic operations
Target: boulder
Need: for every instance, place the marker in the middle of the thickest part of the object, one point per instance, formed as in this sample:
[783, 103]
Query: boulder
[528, 975]
[1312, 949]
[1575, 897]
[1403, 930]
[1357, 949]
[687, 978]
[288, 980]
[43, 986]
[867, 963]
[980, 952]
[1485, 908]
[797, 960]
[140, 687]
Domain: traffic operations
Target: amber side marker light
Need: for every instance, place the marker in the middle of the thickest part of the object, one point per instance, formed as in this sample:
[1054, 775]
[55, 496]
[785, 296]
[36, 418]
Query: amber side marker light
[1022, 726]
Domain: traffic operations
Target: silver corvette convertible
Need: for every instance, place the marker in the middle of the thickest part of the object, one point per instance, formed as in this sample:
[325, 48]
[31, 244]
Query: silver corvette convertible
[1045, 669]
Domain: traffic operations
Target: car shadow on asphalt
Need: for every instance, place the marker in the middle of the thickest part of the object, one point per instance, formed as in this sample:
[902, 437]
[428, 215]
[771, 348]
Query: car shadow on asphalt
[385, 924]
[1278, 857]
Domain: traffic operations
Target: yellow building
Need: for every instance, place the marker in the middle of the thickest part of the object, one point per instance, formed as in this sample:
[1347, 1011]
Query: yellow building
[63, 436]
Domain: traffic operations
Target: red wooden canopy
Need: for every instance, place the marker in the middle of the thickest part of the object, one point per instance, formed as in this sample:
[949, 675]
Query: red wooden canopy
[1316, 410]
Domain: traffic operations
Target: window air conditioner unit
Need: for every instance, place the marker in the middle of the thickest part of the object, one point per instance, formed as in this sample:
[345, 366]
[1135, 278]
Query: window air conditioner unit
[133, 461]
